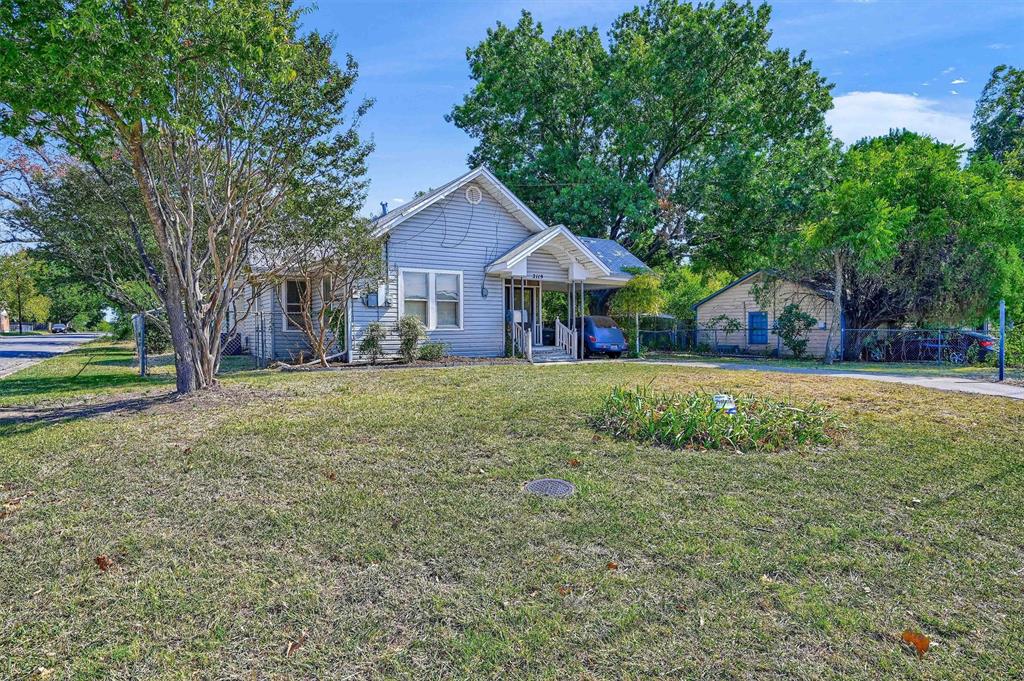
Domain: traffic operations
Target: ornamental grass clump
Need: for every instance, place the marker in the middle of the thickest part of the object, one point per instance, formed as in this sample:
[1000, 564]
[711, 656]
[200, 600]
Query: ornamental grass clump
[692, 421]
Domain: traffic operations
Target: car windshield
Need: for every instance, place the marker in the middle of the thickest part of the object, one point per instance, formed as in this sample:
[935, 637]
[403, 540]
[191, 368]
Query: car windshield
[604, 323]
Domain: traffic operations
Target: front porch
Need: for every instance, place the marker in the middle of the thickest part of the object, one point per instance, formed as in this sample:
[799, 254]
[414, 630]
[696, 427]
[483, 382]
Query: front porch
[555, 260]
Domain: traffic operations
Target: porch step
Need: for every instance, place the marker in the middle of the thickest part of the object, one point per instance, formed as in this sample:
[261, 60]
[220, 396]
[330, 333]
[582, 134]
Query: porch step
[547, 353]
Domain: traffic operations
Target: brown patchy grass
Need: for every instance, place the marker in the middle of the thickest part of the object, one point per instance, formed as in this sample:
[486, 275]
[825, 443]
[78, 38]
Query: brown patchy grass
[373, 524]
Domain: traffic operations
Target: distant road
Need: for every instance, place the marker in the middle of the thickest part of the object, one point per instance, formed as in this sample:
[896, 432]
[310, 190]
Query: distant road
[18, 352]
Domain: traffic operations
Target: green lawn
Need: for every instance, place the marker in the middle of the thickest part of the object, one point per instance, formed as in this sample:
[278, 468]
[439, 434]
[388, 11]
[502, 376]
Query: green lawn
[378, 517]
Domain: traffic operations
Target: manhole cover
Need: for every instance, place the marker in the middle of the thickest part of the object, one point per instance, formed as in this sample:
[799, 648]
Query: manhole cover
[550, 487]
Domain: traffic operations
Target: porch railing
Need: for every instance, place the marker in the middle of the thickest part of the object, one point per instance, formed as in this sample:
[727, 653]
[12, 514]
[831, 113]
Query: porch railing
[522, 341]
[565, 338]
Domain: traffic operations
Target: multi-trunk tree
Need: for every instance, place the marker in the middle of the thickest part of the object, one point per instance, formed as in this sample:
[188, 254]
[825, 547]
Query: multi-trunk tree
[222, 111]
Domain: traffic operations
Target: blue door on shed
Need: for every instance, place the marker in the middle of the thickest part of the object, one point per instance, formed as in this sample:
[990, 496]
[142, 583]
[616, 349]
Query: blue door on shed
[757, 328]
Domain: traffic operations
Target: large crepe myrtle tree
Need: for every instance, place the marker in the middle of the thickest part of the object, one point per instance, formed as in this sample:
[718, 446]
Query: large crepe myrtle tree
[222, 111]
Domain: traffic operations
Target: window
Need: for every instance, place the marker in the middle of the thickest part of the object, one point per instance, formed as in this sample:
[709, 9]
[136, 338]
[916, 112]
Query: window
[294, 292]
[434, 297]
[757, 328]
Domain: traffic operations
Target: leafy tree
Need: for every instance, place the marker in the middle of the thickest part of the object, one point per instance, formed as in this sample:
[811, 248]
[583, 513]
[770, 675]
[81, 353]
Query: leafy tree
[684, 286]
[19, 288]
[907, 235]
[685, 133]
[999, 119]
[85, 227]
[642, 295]
[793, 325]
[223, 113]
[72, 300]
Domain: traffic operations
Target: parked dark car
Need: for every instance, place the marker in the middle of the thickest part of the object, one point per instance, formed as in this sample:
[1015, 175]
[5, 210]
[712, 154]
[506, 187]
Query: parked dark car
[956, 346]
[601, 335]
[59, 328]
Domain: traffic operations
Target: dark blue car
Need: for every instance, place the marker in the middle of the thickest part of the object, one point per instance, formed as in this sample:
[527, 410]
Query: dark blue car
[601, 335]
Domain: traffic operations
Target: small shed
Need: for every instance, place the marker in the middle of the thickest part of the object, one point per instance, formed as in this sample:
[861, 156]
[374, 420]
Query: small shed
[743, 316]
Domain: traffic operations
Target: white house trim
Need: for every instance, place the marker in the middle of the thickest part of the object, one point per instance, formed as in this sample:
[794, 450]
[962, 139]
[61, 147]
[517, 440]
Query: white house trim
[578, 260]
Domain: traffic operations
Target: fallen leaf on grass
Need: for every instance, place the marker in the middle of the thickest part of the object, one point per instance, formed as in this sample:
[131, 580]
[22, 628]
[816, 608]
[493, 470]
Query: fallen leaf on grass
[104, 562]
[612, 565]
[41, 673]
[564, 591]
[575, 463]
[330, 475]
[919, 641]
[293, 646]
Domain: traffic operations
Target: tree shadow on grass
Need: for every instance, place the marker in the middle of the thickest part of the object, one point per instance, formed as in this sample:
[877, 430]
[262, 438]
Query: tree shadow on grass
[25, 419]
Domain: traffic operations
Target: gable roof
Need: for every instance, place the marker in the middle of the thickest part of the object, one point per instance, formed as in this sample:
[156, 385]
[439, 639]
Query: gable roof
[614, 255]
[483, 177]
[567, 246]
[749, 275]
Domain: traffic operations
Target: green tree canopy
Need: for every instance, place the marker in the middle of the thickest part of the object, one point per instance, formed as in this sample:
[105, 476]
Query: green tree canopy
[684, 133]
[909, 235]
[221, 108]
[999, 119]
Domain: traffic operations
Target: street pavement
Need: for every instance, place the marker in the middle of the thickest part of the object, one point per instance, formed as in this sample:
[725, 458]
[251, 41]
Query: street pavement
[18, 352]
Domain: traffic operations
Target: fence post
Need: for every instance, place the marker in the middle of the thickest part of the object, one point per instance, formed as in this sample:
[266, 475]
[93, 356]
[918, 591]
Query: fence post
[1002, 339]
[139, 327]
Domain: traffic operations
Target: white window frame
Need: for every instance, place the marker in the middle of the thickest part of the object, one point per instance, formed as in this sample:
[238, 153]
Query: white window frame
[432, 296]
[284, 307]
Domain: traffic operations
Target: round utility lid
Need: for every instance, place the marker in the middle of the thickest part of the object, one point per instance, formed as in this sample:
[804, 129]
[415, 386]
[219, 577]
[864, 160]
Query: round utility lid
[550, 487]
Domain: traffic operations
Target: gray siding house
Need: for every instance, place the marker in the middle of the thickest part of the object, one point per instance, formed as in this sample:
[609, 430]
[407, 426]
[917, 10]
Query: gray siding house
[471, 261]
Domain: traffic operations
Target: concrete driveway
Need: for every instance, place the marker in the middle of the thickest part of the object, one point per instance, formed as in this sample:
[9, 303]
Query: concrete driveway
[18, 352]
[949, 383]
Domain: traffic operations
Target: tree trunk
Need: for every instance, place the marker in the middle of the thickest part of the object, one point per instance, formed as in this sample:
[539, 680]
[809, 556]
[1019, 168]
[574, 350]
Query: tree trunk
[837, 310]
[189, 374]
[186, 372]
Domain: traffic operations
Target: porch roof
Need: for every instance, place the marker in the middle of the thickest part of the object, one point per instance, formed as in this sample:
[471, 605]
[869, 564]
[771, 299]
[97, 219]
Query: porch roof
[565, 246]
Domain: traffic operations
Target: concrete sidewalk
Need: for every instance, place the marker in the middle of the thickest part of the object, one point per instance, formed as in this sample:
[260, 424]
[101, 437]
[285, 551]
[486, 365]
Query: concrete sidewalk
[948, 383]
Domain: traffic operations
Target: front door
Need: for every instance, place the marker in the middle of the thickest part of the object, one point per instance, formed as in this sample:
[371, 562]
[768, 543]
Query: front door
[525, 299]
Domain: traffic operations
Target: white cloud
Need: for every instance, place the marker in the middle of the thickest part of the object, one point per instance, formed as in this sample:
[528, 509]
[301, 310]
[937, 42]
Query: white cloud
[397, 202]
[998, 46]
[868, 114]
[958, 81]
[953, 92]
[951, 69]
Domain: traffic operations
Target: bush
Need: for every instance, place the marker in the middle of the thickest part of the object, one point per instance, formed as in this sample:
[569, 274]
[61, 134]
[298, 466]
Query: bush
[410, 332]
[432, 352]
[1014, 347]
[793, 325]
[693, 421]
[372, 343]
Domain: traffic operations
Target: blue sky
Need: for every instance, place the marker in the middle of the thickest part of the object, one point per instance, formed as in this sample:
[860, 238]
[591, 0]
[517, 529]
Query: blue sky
[909, 64]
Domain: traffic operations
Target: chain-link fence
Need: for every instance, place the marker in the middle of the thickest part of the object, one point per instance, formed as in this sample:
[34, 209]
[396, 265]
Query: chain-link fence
[959, 351]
